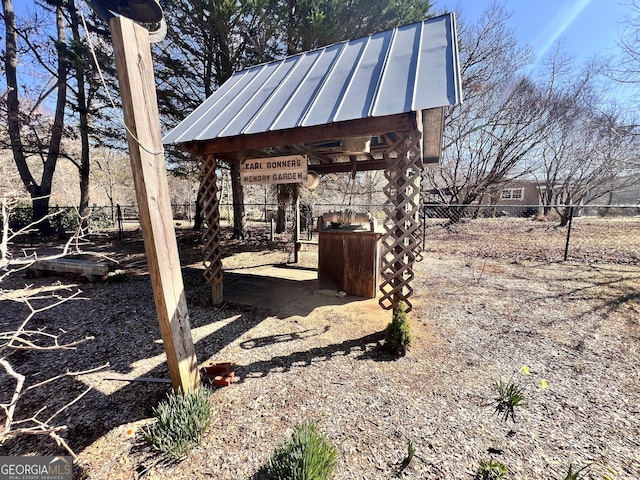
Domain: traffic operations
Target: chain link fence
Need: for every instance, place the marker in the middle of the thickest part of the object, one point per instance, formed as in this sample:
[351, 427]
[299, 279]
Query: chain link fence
[591, 233]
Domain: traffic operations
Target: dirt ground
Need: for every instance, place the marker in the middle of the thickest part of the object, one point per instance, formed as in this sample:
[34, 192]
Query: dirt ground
[489, 298]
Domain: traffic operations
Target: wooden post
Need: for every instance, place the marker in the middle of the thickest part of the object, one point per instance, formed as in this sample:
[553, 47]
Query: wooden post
[296, 232]
[139, 101]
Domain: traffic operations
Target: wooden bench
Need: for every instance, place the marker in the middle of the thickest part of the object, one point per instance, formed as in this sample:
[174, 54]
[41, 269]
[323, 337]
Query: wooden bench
[88, 271]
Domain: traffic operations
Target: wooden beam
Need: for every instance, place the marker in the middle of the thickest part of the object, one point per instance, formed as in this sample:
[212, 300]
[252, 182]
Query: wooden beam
[342, 167]
[330, 131]
[432, 124]
[140, 105]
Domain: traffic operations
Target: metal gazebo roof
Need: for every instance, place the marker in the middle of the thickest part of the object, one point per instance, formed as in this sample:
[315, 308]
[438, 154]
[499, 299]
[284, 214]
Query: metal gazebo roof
[407, 69]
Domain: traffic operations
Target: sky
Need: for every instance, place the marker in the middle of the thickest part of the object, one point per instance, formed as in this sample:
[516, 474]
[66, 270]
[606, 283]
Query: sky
[587, 27]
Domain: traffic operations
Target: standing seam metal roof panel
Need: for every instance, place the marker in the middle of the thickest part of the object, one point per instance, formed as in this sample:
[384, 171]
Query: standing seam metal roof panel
[235, 107]
[263, 93]
[409, 68]
[296, 109]
[265, 118]
[201, 114]
[364, 82]
[399, 76]
[218, 104]
[335, 85]
[432, 68]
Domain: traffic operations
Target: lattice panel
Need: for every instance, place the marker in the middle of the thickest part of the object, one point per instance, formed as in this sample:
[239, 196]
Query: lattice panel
[401, 241]
[211, 219]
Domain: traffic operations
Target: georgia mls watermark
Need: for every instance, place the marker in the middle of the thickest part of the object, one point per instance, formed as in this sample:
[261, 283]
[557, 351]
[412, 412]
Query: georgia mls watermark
[35, 468]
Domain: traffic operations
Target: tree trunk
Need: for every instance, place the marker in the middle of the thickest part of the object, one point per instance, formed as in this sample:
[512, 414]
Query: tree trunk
[239, 223]
[224, 70]
[84, 168]
[283, 200]
[13, 102]
[58, 122]
[564, 214]
[197, 219]
[39, 193]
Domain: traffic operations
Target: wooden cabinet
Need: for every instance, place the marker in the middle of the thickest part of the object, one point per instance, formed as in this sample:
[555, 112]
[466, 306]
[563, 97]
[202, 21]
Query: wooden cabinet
[349, 261]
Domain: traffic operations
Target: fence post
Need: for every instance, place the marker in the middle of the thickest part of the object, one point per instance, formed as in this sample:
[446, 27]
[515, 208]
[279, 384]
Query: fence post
[566, 247]
[424, 225]
[119, 217]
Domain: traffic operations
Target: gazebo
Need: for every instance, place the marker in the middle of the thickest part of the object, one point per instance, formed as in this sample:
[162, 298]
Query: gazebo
[374, 103]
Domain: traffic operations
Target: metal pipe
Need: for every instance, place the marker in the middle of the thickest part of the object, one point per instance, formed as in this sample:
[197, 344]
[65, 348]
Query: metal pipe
[347, 217]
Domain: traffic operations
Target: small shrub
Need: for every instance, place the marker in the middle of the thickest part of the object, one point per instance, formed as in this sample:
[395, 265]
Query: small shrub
[308, 455]
[509, 397]
[100, 220]
[490, 470]
[20, 215]
[181, 421]
[398, 332]
[552, 216]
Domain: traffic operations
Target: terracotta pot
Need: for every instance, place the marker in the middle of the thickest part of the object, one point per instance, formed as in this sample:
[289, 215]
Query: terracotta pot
[218, 368]
[223, 380]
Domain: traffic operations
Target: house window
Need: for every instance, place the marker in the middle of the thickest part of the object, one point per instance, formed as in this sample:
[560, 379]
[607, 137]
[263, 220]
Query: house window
[511, 194]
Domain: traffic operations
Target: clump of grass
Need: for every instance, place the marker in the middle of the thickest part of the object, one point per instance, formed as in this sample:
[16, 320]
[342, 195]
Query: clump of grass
[575, 475]
[181, 420]
[509, 397]
[398, 333]
[490, 470]
[308, 455]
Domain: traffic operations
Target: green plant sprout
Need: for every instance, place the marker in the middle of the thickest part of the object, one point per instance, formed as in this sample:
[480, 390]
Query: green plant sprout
[411, 452]
[490, 470]
[509, 397]
[575, 475]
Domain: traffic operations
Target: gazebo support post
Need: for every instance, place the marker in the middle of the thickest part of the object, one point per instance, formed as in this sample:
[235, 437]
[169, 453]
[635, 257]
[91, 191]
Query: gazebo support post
[401, 240]
[212, 254]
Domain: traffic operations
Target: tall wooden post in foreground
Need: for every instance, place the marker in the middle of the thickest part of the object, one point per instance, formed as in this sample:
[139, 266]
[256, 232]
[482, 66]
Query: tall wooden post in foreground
[140, 105]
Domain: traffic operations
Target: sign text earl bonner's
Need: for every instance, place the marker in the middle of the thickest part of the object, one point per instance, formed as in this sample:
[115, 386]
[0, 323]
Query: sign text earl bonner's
[264, 171]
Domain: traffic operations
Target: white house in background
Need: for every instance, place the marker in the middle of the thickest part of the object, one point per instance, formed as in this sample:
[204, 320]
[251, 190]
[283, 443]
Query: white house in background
[525, 197]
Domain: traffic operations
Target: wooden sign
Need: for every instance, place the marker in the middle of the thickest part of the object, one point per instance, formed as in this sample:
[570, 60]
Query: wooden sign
[274, 170]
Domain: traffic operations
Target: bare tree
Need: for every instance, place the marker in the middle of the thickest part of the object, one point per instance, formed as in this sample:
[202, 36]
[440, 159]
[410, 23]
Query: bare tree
[489, 138]
[23, 338]
[112, 174]
[590, 148]
[627, 68]
[22, 123]
[591, 157]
